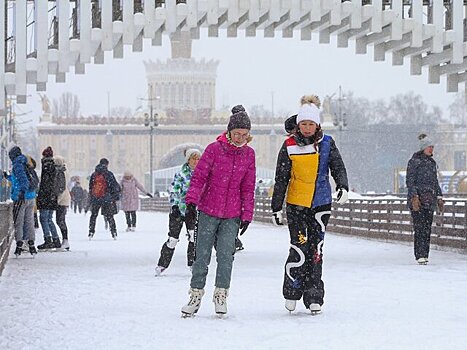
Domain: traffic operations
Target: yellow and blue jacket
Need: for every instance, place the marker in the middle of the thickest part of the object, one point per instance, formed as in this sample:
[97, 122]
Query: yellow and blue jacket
[303, 172]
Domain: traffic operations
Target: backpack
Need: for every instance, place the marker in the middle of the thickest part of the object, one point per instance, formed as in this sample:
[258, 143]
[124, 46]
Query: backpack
[33, 179]
[100, 186]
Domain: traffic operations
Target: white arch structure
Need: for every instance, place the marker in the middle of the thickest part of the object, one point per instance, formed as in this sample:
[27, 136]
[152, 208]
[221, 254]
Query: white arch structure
[44, 37]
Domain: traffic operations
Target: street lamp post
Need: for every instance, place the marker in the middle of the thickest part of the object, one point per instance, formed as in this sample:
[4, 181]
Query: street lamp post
[151, 122]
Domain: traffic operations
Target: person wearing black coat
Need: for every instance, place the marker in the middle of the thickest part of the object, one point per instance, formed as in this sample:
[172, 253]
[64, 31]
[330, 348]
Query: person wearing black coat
[423, 196]
[104, 192]
[47, 201]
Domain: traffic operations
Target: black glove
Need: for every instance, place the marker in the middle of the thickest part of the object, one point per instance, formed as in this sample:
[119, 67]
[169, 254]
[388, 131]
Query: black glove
[243, 226]
[149, 195]
[175, 211]
[5, 174]
[21, 196]
[190, 216]
[277, 218]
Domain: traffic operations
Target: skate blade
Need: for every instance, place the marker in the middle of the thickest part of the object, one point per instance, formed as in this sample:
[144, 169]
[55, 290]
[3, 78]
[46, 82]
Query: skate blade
[187, 315]
[221, 316]
[314, 313]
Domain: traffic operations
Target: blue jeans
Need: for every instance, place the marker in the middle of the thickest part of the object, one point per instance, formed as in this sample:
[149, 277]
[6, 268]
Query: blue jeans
[48, 226]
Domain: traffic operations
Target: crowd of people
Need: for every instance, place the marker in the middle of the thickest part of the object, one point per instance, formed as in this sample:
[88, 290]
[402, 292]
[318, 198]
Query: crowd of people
[213, 196]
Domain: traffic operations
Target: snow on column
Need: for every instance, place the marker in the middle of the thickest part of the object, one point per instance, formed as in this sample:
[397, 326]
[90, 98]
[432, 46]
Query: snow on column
[41, 38]
[417, 16]
[438, 38]
[85, 31]
[149, 18]
[2, 54]
[458, 27]
[20, 50]
[377, 18]
[396, 27]
[128, 22]
[107, 26]
[63, 10]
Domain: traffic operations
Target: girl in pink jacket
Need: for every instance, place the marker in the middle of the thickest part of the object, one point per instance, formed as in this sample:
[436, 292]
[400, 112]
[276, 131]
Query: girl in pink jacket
[222, 190]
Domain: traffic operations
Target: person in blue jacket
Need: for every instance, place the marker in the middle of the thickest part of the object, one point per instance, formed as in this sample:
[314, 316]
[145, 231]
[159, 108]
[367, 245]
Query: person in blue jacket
[23, 197]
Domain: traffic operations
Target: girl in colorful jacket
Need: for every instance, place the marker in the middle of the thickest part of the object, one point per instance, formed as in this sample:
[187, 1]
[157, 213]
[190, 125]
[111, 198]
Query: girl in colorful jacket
[222, 189]
[179, 188]
[303, 166]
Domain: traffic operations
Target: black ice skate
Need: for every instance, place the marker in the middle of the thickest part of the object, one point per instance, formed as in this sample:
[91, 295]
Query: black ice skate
[19, 248]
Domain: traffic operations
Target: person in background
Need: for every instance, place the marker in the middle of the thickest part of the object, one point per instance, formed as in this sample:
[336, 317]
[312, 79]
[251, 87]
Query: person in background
[23, 196]
[77, 195]
[222, 188]
[63, 198]
[47, 201]
[302, 172]
[129, 198]
[104, 192]
[423, 196]
[178, 190]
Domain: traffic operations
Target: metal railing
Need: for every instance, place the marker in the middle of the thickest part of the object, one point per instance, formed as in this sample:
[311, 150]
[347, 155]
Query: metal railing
[6, 232]
[382, 219]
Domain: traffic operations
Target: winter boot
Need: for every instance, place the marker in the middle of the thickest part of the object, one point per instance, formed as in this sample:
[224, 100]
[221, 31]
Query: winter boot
[128, 229]
[220, 300]
[19, 248]
[314, 308]
[159, 270]
[65, 244]
[90, 235]
[57, 243]
[47, 244]
[114, 235]
[290, 304]
[195, 301]
[32, 248]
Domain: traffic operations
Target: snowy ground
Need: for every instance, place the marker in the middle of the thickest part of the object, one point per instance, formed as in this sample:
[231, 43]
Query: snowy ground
[103, 295]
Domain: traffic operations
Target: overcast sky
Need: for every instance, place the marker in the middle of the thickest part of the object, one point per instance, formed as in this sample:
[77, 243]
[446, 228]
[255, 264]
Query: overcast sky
[250, 70]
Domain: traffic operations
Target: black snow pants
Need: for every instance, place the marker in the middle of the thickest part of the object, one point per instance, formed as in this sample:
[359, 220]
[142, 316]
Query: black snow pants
[422, 221]
[303, 268]
[168, 248]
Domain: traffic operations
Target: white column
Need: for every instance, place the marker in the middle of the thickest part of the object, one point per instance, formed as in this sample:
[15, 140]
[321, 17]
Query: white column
[63, 12]
[41, 38]
[315, 10]
[458, 27]
[107, 25]
[21, 47]
[396, 28]
[417, 16]
[356, 17]
[85, 31]
[128, 22]
[2, 55]
[438, 14]
[149, 18]
[377, 18]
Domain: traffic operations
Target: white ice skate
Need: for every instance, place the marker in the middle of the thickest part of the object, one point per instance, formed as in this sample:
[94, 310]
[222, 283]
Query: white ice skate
[220, 300]
[159, 270]
[65, 244]
[422, 261]
[315, 308]
[195, 302]
[290, 304]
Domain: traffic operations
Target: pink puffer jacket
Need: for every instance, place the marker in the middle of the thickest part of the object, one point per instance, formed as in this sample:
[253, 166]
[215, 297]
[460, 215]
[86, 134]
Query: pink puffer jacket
[223, 183]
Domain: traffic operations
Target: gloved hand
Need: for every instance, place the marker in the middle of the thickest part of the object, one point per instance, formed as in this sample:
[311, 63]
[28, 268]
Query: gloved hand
[21, 196]
[416, 203]
[342, 196]
[190, 216]
[440, 205]
[175, 211]
[277, 218]
[243, 226]
[5, 174]
[149, 195]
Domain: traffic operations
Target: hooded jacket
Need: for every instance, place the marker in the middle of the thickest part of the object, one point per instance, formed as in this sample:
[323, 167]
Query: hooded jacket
[112, 192]
[61, 179]
[422, 180]
[19, 179]
[179, 187]
[304, 172]
[47, 195]
[223, 183]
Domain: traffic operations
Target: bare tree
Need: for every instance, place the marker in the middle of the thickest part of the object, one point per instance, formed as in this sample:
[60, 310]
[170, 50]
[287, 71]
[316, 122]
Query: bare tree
[67, 106]
[458, 110]
[121, 111]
